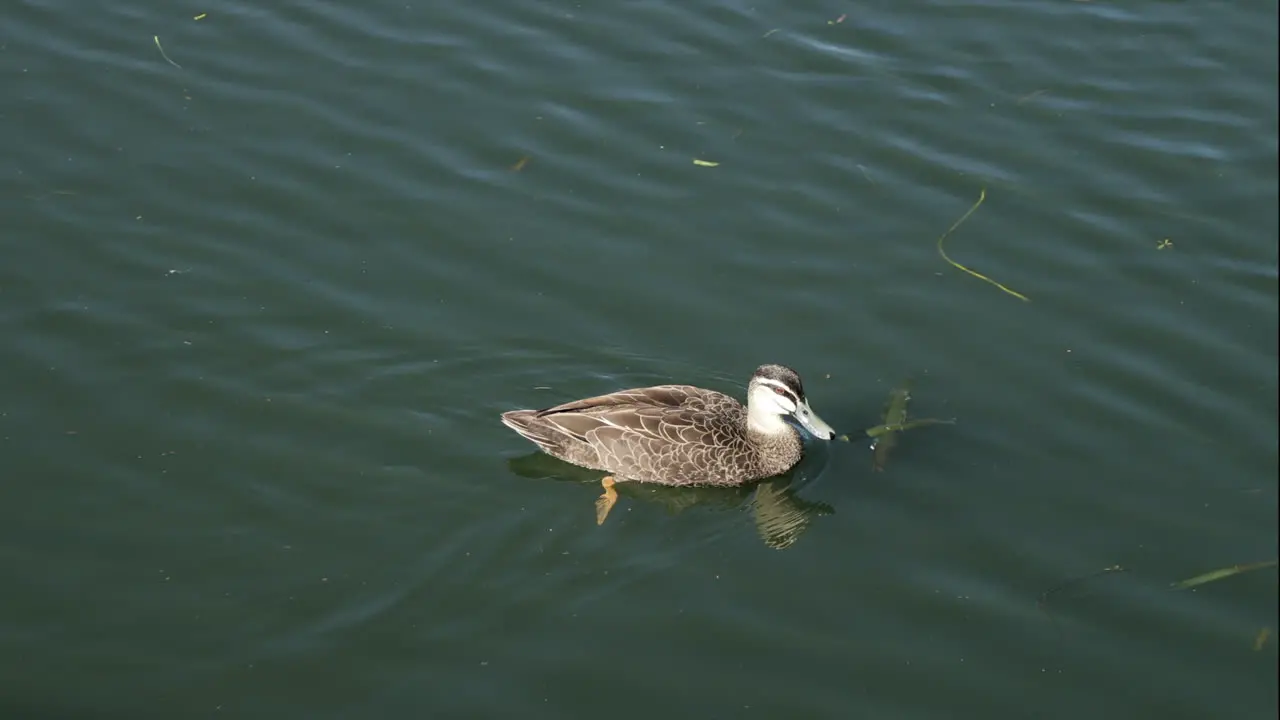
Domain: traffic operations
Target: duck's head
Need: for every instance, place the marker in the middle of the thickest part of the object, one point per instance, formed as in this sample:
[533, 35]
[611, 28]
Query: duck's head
[776, 393]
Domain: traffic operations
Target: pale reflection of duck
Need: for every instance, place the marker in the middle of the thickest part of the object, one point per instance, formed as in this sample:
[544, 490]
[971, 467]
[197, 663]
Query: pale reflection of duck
[781, 516]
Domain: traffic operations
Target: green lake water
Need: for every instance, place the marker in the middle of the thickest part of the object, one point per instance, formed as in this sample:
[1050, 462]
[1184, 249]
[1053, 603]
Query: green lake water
[263, 301]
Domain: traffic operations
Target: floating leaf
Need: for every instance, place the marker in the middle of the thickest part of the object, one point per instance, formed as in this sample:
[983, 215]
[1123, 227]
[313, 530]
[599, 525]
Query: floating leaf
[895, 414]
[879, 430]
[958, 266]
[705, 163]
[1222, 573]
[163, 54]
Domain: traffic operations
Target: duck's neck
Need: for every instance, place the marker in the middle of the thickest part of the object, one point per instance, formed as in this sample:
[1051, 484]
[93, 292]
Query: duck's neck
[778, 448]
[767, 424]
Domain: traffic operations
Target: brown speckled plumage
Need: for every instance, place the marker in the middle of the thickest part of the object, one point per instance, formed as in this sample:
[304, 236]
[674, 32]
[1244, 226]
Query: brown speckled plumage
[668, 434]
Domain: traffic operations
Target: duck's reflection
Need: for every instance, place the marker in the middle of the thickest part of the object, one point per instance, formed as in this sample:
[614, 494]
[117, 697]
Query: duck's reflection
[781, 516]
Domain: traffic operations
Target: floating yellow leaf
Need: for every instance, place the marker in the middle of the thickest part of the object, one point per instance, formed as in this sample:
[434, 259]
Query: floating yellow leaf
[974, 273]
[1261, 641]
[1222, 573]
[163, 54]
[704, 163]
[1165, 243]
[202, 16]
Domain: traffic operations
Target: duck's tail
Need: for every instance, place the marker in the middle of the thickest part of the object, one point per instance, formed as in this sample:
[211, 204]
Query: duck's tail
[525, 422]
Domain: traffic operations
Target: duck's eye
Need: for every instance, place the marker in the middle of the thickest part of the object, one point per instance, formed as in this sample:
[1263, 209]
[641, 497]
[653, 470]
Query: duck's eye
[780, 391]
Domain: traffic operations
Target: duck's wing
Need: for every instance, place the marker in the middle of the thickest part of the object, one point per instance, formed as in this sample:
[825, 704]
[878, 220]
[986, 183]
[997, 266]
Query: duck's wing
[656, 396]
[652, 417]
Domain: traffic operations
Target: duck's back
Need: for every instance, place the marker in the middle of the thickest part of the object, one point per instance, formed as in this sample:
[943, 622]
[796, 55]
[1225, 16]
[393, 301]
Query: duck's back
[668, 434]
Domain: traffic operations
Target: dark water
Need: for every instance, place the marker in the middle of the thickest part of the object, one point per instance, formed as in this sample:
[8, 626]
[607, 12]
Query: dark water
[260, 314]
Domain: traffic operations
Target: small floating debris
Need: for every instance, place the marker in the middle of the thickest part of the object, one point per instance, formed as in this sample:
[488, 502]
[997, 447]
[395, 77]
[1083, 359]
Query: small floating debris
[1031, 96]
[1045, 596]
[705, 163]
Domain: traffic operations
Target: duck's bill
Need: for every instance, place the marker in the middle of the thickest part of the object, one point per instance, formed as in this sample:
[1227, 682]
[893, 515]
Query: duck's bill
[810, 421]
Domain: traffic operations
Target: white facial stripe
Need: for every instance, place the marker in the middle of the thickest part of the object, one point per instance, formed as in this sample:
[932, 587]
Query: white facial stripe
[775, 383]
[785, 403]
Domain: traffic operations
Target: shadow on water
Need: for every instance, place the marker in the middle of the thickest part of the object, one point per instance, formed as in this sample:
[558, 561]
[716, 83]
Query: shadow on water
[781, 516]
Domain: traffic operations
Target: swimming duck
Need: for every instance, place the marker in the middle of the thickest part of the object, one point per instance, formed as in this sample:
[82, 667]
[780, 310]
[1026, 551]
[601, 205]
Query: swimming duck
[678, 434]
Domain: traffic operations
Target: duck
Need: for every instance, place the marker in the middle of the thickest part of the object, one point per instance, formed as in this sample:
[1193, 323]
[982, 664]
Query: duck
[679, 435]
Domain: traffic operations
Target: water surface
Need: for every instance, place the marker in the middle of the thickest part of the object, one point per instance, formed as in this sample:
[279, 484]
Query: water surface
[261, 312]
